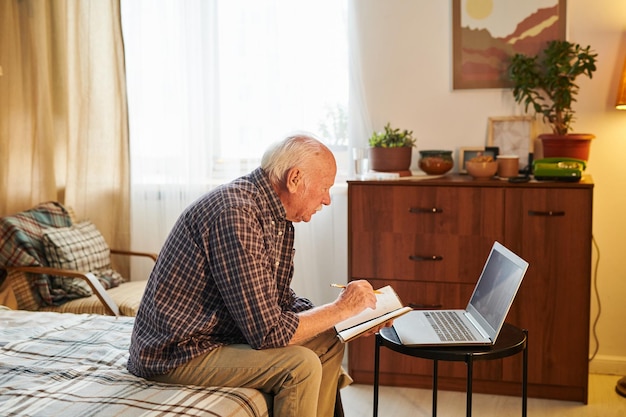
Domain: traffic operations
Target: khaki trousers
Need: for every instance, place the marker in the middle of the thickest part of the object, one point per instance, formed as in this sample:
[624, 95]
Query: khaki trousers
[302, 379]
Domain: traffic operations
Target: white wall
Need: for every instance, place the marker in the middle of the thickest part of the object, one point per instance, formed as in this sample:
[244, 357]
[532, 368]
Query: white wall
[408, 82]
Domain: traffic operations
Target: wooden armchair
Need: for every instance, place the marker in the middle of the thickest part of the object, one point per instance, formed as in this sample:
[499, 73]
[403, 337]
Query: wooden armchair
[54, 264]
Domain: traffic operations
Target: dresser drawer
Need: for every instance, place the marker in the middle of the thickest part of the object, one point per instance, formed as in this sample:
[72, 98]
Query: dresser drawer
[422, 233]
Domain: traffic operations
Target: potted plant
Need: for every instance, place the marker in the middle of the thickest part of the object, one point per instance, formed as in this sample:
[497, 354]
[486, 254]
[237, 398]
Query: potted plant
[547, 82]
[391, 150]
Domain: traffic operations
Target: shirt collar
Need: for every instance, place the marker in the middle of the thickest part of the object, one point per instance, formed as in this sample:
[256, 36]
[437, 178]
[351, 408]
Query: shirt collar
[260, 178]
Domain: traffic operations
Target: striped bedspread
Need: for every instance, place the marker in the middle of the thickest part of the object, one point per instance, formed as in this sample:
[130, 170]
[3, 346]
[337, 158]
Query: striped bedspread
[55, 364]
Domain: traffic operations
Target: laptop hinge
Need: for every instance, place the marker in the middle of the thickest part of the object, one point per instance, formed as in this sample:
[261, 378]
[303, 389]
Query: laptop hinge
[476, 325]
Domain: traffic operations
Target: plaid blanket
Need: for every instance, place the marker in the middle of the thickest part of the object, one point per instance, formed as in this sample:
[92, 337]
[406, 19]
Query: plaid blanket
[21, 237]
[55, 364]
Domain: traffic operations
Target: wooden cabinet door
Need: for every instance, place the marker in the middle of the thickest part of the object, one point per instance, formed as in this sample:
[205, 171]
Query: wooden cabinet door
[551, 229]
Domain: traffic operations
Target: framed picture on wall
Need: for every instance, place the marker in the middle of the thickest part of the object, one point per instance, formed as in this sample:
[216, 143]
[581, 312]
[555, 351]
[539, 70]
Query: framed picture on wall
[465, 154]
[513, 135]
[485, 35]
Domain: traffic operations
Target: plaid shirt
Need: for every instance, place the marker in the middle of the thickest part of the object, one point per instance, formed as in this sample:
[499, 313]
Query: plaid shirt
[222, 277]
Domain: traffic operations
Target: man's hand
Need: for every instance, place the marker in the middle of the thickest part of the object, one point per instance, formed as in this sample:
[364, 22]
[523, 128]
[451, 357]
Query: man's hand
[356, 297]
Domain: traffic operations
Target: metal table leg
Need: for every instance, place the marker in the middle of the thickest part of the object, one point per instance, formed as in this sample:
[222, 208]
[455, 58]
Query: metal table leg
[376, 372]
[435, 385]
[470, 375]
[525, 376]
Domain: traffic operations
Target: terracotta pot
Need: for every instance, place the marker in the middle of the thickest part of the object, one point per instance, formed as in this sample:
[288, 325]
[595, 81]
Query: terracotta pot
[390, 159]
[573, 145]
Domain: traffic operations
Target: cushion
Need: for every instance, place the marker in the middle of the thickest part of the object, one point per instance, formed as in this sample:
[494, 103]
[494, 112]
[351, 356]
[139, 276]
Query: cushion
[126, 296]
[80, 247]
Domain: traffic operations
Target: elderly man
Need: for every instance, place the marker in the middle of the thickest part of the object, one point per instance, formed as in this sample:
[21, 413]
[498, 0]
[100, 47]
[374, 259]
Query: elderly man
[218, 308]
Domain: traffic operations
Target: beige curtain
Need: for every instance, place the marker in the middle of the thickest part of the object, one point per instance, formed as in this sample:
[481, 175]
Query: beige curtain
[63, 114]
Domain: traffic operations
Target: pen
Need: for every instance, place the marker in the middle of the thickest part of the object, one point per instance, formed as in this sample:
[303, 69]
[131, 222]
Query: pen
[343, 286]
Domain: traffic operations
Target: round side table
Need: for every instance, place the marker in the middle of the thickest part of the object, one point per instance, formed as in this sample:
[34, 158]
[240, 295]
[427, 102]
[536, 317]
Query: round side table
[511, 341]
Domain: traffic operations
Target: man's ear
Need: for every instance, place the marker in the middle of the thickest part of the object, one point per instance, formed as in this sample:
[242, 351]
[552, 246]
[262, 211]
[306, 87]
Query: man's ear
[294, 179]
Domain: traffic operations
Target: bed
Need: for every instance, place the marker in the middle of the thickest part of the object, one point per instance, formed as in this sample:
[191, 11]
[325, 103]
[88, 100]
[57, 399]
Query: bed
[54, 364]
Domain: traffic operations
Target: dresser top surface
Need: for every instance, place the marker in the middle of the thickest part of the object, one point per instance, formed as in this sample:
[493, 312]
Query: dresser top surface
[468, 181]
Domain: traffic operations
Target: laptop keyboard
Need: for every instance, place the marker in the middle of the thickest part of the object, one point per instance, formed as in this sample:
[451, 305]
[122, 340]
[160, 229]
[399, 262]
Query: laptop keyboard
[448, 326]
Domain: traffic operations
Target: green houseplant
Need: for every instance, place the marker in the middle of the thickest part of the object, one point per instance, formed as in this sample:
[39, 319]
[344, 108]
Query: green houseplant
[391, 150]
[547, 83]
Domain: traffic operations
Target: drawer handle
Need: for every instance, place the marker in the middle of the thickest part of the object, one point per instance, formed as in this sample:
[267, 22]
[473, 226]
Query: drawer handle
[418, 210]
[419, 258]
[546, 213]
[418, 306]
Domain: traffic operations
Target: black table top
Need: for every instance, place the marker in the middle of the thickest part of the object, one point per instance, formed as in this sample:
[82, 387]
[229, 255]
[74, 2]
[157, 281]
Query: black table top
[510, 341]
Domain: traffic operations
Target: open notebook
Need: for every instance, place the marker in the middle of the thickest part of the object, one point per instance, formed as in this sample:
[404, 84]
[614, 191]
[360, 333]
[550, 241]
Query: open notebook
[388, 307]
[482, 319]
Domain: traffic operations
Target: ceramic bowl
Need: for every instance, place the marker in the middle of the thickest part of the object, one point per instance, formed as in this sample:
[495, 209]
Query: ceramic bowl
[435, 162]
[481, 170]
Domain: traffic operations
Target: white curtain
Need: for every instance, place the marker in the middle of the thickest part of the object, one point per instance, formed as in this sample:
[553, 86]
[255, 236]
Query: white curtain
[360, 125]
[210, 85]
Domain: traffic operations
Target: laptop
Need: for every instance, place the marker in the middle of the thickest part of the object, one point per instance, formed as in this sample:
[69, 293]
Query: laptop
[482, 319]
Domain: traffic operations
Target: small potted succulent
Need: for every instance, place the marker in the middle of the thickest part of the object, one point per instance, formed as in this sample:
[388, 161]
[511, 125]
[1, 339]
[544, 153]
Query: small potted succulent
[391, 150]
[547, 83]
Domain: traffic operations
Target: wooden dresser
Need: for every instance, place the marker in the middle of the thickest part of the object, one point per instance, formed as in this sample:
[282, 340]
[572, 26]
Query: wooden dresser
[429, 239]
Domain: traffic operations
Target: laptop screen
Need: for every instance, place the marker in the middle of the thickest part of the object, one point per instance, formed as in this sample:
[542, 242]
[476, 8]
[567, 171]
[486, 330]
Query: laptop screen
[497, 286]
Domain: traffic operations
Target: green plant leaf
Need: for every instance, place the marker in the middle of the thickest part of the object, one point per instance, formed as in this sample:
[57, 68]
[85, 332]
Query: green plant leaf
[546, 82]
[392, 138]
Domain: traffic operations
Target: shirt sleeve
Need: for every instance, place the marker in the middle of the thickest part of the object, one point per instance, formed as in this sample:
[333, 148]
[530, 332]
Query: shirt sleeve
[301, 304]
[249, 270]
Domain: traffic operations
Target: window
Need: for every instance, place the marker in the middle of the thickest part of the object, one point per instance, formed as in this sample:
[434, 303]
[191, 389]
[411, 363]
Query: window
[212, 83]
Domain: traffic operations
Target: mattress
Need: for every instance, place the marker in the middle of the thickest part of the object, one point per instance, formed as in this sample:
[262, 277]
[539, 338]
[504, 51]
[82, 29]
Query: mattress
[54, 364]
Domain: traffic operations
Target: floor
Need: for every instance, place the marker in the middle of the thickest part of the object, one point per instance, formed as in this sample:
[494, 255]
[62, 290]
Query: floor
[401, 402]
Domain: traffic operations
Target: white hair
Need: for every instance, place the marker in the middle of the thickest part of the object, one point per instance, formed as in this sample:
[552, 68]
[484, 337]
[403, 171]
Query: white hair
[295, 150]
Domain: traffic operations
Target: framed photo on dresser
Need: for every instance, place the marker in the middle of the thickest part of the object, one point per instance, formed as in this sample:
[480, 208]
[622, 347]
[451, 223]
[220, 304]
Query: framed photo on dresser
[513, 135]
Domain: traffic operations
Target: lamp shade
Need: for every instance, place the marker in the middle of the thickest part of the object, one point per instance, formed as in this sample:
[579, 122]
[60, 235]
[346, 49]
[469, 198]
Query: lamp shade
[621, 92]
